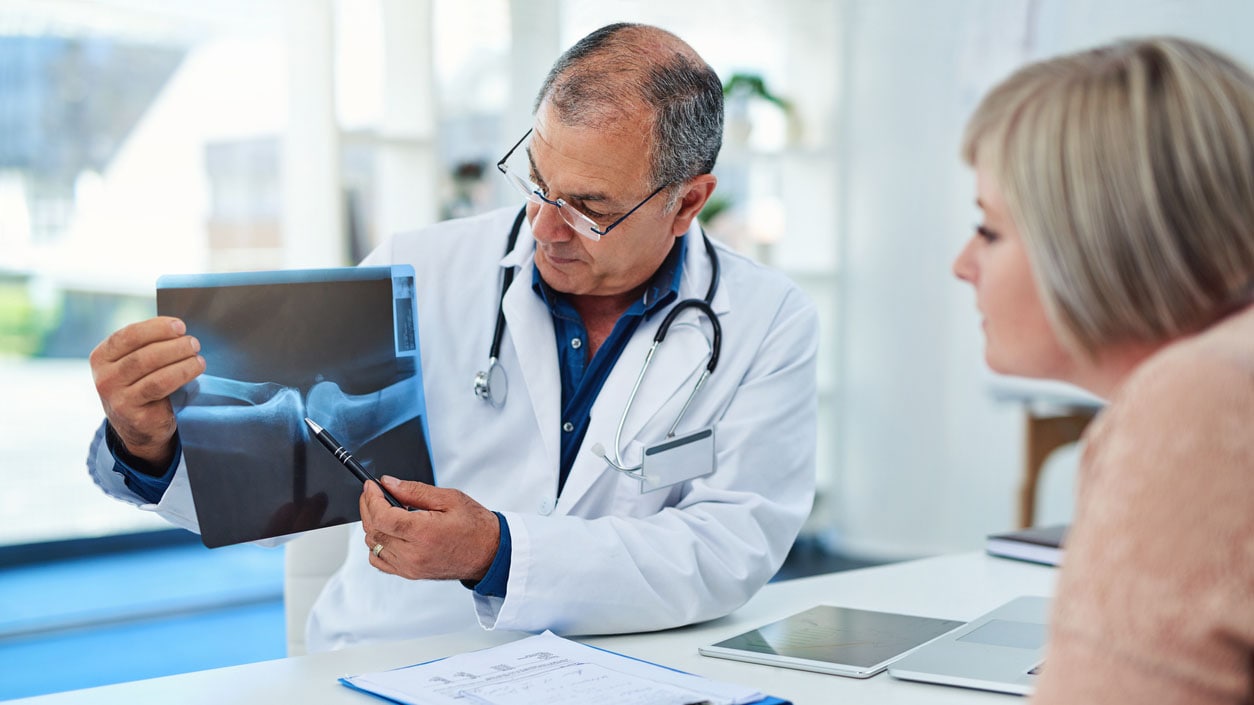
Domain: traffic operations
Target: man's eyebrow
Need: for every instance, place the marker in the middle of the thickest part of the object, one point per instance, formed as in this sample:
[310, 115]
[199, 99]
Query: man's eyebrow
[594, 196]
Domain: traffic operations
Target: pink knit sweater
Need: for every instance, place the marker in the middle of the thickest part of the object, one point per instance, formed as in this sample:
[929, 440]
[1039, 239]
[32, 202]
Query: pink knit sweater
[1155, 600]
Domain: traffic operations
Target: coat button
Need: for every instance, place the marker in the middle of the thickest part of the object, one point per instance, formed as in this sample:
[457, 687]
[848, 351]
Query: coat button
[546, 506]
[568, 427]
[576, 343]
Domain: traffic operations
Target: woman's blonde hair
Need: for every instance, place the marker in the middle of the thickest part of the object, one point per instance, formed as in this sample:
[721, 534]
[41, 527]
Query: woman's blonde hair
[1129, 171]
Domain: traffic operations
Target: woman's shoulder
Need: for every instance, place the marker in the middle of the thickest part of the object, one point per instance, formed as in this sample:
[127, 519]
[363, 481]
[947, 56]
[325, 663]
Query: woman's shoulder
[1189, 406]
[1211, 370]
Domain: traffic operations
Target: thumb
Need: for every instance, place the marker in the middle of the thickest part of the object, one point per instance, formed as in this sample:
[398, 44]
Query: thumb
[416, 495]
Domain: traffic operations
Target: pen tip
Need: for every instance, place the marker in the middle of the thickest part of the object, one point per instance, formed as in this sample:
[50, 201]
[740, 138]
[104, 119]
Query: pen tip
[313, 426]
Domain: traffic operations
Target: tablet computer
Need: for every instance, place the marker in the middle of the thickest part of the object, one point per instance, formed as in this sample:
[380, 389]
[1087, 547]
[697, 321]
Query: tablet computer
[836, 640]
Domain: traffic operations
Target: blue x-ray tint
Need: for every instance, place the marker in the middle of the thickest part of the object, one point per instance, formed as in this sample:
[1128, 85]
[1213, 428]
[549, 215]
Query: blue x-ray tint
[337, 345]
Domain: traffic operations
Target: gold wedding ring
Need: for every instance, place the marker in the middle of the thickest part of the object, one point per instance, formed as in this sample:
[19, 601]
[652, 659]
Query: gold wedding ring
[378, 548]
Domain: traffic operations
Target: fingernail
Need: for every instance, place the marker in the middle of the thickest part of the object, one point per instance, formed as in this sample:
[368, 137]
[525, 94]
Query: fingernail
[389, 481]
[178, 327]
[195, 345]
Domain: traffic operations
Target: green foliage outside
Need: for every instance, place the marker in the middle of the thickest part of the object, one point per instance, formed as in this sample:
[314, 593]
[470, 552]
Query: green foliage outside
[22, 324]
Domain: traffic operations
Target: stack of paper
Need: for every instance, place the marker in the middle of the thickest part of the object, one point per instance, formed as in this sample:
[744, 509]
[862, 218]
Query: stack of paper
[546, 670]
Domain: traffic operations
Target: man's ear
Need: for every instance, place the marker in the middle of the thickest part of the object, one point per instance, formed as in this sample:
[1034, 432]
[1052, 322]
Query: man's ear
[692, 199]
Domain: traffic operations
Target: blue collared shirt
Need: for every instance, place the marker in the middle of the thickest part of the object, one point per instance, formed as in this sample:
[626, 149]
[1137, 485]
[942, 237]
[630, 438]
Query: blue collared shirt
[582, 379]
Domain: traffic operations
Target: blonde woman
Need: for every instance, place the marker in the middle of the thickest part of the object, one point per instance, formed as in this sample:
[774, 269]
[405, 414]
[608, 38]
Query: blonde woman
[1117, 253]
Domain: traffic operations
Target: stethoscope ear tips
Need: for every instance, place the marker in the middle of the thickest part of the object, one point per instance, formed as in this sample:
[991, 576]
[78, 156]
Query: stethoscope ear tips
[599, 451]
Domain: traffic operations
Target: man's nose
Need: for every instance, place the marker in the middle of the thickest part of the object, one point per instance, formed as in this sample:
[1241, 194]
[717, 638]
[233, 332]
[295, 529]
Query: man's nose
[547, 224]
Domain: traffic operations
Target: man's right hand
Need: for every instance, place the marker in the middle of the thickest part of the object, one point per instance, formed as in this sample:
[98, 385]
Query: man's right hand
[136, 370]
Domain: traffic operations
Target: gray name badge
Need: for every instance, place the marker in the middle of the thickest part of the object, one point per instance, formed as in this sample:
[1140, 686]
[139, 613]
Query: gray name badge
[677, 460]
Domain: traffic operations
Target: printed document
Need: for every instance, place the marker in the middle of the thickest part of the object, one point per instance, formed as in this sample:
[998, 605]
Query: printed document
[546, 670]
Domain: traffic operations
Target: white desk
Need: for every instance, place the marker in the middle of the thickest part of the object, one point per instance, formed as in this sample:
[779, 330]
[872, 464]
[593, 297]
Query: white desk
[955, 587]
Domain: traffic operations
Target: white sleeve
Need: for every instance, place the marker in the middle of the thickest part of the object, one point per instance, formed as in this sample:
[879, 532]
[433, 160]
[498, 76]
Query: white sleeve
[175, 505]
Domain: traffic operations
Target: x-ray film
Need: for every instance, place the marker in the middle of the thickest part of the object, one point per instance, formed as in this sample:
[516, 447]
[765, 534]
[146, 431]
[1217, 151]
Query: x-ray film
[337, 345]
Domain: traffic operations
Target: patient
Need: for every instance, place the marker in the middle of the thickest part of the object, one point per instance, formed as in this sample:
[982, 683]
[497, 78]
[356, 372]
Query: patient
[1117, 253]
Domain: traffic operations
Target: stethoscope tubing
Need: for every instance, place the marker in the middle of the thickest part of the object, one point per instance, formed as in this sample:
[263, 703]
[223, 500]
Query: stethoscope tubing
[483, 384]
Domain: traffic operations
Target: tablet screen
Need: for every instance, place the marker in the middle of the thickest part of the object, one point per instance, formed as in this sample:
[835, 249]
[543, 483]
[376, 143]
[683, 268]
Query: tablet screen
[860, 639]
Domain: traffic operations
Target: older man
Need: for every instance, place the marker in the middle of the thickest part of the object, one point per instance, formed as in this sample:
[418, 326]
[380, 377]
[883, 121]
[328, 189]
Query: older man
[545, 517]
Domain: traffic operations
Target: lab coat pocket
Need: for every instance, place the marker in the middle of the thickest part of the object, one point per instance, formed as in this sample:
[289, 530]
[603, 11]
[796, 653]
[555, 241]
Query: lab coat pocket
[628, 500]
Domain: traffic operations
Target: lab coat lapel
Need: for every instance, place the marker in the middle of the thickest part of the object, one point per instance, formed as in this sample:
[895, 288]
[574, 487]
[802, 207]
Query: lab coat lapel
[672, 373]
[530, 329]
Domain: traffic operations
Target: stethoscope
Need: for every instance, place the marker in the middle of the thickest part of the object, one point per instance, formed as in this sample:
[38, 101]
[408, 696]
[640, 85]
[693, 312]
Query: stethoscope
[492, 386]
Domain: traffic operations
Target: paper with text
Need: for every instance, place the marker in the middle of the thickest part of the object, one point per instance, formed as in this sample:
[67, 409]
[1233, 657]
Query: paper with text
[549, 670]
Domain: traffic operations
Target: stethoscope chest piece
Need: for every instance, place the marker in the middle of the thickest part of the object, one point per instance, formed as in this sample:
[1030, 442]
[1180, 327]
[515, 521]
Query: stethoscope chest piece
[492, 385]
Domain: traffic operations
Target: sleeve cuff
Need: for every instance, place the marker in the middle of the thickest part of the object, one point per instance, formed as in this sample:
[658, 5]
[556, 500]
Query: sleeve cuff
[496, 580]
[151, 488]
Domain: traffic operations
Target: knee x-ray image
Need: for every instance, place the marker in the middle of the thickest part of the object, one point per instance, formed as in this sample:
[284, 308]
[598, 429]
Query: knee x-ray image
[337, 345]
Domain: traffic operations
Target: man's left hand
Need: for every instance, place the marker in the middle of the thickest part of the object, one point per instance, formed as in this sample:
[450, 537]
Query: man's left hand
[455, 538]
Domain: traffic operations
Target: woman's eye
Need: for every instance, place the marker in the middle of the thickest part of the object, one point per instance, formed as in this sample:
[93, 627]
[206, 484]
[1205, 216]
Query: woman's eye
[986, 234]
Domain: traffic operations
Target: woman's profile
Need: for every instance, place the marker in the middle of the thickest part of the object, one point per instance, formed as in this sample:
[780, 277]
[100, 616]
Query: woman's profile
[1117, 253]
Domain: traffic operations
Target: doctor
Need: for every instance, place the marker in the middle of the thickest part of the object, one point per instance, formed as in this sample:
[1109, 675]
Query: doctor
[535, 371]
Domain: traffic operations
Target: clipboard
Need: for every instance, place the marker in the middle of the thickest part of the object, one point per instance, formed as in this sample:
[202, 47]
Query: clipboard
[338, 345]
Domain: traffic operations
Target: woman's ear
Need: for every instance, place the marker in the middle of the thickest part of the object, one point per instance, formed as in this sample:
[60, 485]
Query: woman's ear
[692, 199]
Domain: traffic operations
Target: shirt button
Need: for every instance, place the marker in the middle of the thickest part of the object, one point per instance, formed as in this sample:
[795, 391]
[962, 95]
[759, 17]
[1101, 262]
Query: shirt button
[546, 506]
[568, 427]
[576, 343]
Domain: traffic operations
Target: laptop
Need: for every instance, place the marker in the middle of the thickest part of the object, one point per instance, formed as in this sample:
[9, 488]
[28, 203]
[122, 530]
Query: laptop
[1001, 651]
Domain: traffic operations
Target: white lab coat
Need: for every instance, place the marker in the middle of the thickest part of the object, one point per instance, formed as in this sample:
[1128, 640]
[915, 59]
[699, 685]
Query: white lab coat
[602, 557]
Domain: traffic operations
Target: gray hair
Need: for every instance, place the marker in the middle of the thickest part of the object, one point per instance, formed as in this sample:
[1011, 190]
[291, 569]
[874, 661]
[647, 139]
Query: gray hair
[620, 66]
[1129, 170]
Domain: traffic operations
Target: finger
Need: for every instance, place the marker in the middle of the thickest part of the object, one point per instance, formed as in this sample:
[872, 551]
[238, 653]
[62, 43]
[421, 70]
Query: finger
[140, 410]
[159, 383]
[142, 415]
[363, 506]
[141, 363]
[377, 514]
[376, 538]
[135, 336]
[389, 520]
[380, 563]
[418, 495]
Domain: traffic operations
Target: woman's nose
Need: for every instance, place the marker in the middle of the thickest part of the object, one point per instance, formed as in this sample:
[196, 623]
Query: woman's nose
[964, 264]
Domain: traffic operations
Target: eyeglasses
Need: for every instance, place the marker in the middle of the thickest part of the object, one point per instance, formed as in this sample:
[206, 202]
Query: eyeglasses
[578, 222]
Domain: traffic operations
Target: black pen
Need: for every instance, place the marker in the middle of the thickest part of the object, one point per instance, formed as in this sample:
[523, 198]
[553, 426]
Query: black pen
[341, 454]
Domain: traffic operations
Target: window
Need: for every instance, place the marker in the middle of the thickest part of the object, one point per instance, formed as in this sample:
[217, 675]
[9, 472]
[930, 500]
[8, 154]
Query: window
[136, 139]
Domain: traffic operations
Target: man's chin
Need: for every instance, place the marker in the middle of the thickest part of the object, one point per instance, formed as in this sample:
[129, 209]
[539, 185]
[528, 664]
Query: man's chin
[560, 277]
